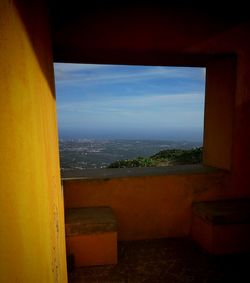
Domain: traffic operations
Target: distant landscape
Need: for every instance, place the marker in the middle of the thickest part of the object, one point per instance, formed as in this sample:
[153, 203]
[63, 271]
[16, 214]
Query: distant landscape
[82, 154]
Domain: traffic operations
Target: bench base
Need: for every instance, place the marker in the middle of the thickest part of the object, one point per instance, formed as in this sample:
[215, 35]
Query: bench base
[91, 236]
[220, 239]
[93, 249]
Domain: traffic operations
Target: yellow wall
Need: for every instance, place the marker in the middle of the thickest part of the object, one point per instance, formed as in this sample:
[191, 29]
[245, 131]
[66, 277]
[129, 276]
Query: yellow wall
[151, 206]
[32, 245]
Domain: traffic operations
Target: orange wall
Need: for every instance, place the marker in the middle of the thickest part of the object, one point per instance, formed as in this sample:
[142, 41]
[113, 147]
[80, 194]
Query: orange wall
[32, 245]
[151, 206]
[236, 41]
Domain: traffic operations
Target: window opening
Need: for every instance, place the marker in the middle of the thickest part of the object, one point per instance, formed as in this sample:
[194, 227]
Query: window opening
[129, 116]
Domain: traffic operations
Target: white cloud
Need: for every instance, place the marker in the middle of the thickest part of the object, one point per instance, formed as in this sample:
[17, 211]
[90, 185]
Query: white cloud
[168, 100]
[88, 73]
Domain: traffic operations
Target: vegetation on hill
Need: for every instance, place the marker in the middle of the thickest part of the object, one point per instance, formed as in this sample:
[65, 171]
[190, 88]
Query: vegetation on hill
[167, 157]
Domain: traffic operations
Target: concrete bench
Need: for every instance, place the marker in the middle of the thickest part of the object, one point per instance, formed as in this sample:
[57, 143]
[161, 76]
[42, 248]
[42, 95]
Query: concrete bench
[222, 227]
[91, 235]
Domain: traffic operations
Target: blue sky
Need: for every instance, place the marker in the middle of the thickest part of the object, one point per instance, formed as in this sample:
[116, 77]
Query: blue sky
[130, 102]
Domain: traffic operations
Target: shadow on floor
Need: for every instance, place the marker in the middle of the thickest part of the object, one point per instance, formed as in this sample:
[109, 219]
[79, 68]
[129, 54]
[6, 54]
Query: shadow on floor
[166, 260]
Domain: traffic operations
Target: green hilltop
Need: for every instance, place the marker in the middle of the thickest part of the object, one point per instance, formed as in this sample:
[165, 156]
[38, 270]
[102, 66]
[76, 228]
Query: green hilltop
[167, 157]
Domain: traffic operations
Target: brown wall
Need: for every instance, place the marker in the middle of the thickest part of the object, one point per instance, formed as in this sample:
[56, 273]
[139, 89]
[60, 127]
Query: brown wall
[237, 41]
[241, 139]
[150, 206]
[160, 206]
[189, 37]
[219, 113]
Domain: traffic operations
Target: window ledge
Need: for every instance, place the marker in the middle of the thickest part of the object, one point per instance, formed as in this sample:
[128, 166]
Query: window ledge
[109, 173]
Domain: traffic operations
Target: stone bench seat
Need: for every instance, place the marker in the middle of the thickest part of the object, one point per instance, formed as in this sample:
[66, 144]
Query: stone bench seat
[88, 220]
[223, 226]
[91, 235]
[224, 212]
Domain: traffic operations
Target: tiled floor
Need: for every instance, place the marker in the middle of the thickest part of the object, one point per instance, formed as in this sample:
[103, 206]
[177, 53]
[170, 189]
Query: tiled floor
[166, 260]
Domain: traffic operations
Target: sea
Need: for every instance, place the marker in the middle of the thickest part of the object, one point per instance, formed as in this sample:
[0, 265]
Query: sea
[82, 154]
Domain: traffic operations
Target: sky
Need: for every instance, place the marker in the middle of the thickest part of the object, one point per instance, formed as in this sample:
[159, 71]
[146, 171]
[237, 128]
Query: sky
[130, 102]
